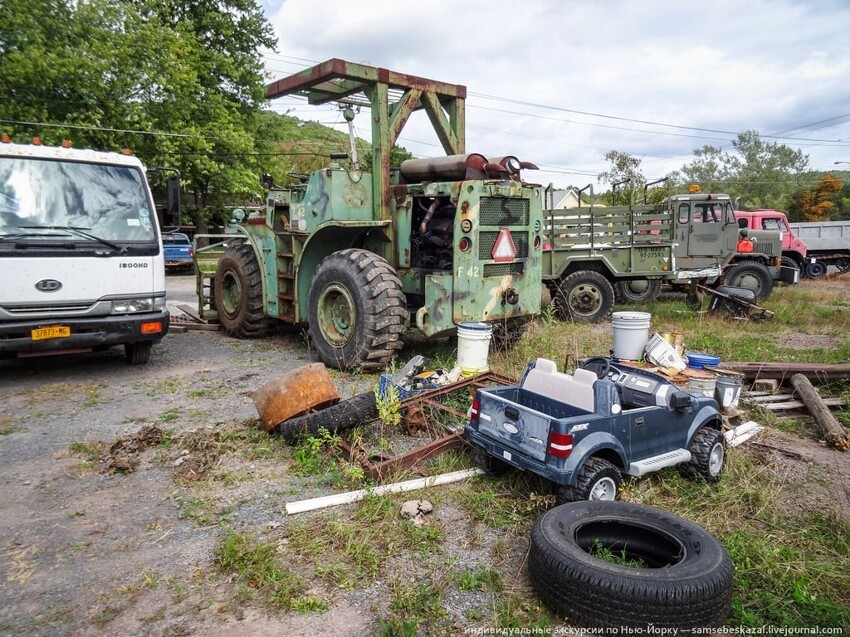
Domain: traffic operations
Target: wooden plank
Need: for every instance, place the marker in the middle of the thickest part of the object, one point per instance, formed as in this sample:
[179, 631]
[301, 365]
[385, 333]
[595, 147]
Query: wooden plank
[767, 397]
[754, 370]
[188, 309]
[796, 404]
[829, 427]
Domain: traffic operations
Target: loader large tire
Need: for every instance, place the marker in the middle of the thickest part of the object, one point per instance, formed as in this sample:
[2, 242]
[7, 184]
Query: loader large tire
[614, 564]
[239, 293]
[356, 310]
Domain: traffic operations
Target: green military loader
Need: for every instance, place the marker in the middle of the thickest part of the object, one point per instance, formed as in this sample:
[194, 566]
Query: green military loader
[361, 255]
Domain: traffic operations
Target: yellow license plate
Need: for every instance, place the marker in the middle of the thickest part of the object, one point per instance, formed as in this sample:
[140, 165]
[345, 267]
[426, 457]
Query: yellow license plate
[53, 331]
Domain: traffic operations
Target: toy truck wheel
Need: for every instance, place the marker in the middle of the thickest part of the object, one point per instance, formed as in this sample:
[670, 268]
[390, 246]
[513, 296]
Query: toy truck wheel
[584, 297]
[750, 275]
[487, 463]
[356, 310]
[708, 456]
[638, 290]
[239, 293]
[619, 564]
[597, 479]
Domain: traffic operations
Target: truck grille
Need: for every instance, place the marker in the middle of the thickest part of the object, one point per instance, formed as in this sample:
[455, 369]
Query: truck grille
[502, 269]
[486, 241]
[502, 211]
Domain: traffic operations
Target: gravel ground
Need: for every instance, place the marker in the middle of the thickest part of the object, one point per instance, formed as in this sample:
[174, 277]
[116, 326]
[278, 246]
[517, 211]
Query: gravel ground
[87, 552]
[106, 530]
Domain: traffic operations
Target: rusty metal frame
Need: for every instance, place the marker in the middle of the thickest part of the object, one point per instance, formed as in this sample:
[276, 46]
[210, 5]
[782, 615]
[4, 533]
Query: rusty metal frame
[384, 466]
[392, 97]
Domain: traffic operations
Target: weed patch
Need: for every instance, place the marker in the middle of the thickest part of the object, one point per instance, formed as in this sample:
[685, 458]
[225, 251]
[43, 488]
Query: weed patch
[260, 574]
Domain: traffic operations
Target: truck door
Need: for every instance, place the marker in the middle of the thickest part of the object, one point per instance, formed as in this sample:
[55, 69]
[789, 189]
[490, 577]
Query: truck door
[705, 221]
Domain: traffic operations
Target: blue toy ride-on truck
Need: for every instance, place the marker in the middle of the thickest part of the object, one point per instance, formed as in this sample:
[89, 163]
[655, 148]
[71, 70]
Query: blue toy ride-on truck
[584, 431]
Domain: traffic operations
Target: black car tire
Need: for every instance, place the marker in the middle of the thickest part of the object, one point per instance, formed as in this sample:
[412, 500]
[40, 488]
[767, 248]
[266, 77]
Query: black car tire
[685, 580]
[627, 293]
[346, 414]
[138, 353]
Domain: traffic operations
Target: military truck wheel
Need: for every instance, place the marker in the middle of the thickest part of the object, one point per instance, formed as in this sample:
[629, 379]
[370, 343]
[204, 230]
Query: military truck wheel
[708, 456]
[487, 463]
[750, 275]
[597, 479]
[584, 297]
[619, 564]
[356, 310]
[842, 264]
[638, 290]
[238, 291]
[789, 262]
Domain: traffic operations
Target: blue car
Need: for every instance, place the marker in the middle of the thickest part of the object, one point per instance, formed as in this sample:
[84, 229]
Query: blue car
[178, 251]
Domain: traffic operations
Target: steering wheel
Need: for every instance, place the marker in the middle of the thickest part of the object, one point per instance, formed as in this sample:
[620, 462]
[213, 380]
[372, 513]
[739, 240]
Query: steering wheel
[598, 365]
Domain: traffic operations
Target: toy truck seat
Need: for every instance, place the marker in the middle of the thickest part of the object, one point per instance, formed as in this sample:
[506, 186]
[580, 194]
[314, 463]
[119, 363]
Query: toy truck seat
[576, 390]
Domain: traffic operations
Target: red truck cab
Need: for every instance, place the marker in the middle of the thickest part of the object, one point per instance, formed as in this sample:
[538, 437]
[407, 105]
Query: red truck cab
[793, 248]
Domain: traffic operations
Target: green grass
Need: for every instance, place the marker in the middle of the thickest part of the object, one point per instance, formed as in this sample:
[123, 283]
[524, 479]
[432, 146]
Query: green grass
[792, 566]
[347, 551]
[261, 575]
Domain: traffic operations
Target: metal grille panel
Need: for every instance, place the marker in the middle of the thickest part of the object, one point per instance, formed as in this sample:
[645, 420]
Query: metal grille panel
[503, 211]
[486, 241]
[501, 269]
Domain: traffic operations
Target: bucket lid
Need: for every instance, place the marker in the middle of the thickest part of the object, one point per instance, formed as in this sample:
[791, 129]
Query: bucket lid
[631, 316]
[475, 325]
[701, 359]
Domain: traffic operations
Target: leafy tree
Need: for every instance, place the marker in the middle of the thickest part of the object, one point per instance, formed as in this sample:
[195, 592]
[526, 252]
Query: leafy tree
[189, 69]
[622, 168]
[818, 203]
[762, 174]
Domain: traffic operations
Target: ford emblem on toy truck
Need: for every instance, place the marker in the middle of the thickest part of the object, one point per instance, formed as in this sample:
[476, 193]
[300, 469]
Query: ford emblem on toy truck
[584, 431]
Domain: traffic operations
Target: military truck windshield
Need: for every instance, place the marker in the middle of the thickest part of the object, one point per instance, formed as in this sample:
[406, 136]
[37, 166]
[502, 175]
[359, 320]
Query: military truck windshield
[712, 212]
[53, 200]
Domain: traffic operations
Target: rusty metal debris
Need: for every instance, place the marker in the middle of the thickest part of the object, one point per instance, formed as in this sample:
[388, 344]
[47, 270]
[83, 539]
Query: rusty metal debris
[420, 406]
[294, 393]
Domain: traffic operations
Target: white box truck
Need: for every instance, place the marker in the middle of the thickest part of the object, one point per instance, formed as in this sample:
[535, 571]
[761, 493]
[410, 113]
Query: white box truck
[81, 260]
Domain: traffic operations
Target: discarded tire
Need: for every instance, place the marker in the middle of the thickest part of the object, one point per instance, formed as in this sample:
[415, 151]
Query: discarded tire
[346, 414]
[680, 576]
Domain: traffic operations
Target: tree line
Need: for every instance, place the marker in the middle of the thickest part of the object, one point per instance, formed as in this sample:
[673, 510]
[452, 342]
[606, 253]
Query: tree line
[180, 83]
[756, 173]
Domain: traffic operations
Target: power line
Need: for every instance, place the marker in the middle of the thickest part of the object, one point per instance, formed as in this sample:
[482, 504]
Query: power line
[107, 130]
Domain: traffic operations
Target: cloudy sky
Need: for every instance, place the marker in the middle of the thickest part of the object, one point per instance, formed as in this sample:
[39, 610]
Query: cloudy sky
[561, 82]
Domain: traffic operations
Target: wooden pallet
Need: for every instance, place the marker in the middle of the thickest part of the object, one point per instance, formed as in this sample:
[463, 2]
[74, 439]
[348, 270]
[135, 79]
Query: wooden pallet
[783, 402]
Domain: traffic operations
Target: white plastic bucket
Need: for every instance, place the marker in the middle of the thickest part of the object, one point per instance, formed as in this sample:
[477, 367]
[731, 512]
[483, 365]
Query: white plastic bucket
[631, 331]
[473, 347]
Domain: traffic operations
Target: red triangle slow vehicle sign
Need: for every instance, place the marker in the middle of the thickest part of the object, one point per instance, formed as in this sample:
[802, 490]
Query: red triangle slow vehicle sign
[504, 248]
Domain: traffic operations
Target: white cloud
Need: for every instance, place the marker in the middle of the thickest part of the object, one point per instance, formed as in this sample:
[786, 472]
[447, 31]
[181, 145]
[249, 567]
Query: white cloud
[766, 65]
